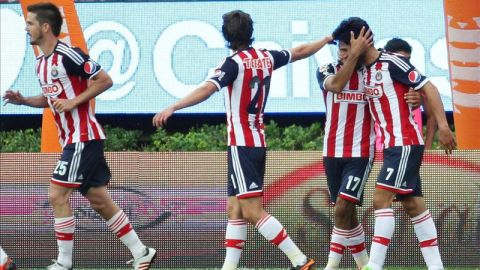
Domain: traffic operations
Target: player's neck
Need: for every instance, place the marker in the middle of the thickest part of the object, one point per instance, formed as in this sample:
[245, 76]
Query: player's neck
[371, 56]
[48, 45]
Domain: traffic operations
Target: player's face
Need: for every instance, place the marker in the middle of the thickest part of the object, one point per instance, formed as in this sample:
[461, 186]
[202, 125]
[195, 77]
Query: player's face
[343, 50]
[33, 28]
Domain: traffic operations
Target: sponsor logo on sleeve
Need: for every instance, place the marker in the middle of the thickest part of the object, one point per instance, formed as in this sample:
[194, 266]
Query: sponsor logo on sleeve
[219, 74]
[414, 76]
[90, 67]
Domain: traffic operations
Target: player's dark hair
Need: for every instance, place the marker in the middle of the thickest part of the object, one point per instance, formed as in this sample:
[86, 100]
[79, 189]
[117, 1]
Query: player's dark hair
[48, 13]
[397, 44]
[237, 29]
[353, 24]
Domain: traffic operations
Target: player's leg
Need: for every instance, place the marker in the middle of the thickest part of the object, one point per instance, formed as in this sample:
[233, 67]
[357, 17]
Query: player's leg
[64, 223]
[343, 210]
[397, 177]
[64, 181]
[236, 233]
[425, 230]
[248, 175]
[356, 242]
[95, 170]
[273, 231]
[383, 228]
[346, 180]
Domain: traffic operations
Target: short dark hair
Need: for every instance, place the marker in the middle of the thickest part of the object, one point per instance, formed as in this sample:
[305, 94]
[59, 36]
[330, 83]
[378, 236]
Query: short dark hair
[48, 13]
[237, 29]
[396, 45]
[352, 24]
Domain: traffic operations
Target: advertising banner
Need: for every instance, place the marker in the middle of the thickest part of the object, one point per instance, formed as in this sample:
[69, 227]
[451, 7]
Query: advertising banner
[177, 201]
[157, 52]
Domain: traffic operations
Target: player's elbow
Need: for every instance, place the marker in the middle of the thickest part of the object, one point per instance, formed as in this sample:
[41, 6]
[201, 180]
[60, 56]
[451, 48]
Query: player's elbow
[108, 82]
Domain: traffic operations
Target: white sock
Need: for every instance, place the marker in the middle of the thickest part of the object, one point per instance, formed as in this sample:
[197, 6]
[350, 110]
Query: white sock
[356, 245]
[64, 230]
[120, 225]
[338, 243]
[274, 232]
[427, 236]
[235, 238]
[384, 227]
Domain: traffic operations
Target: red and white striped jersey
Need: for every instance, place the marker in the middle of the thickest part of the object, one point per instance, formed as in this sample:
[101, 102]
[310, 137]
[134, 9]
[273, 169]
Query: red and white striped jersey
[247, 75]
[64, 75]
[349, 126]
[386, 81]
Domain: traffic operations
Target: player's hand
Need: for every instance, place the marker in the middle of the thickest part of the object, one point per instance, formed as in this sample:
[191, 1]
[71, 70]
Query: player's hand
[446, 139]
[413, 98]
[361, 43]
[160, 119]
[63, 105]
[13, 97]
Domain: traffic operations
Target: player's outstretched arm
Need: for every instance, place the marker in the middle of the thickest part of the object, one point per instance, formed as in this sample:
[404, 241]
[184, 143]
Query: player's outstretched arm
[15, 97]
[358, 45]
[307, 50]
[445, 135]
[98, 84]
[198, 95]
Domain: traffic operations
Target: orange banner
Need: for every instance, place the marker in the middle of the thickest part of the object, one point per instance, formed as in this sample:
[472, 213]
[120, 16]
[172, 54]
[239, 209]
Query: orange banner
[71, 34]
[463, 40]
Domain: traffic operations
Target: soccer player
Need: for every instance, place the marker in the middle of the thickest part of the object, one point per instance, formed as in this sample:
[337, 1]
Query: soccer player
[348, 147]
[69, 80]
[400, 46]
[247, 75]
[6, 263]
[386, 78]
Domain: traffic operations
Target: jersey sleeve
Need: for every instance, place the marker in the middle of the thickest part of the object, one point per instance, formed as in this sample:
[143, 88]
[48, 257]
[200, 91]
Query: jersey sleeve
[323, 73]
[280, 58]
[403, 71]
[79, 64]
[225, 73]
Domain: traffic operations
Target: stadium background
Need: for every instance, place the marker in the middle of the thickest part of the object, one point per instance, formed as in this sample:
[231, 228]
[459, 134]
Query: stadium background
[177, 200]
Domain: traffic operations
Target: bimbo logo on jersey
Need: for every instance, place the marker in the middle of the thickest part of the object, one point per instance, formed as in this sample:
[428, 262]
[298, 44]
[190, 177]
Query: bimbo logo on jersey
[51, 90]
[373, 91]
[350, 96]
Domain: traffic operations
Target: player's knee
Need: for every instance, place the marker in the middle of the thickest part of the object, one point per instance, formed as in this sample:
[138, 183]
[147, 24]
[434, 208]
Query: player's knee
[381, 203]
[343, 208]
[234, 211]
[414, 206]
[57, 199]
[98, 205]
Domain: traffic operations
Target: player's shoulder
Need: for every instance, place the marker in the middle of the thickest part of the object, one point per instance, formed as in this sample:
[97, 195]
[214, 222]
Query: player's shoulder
[395, 59]
[73, 53]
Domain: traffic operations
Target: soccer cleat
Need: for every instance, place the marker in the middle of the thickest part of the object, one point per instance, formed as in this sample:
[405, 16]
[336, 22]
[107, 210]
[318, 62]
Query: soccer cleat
[307, 266]
[9, 265]
[57, 266]
[144, 262]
